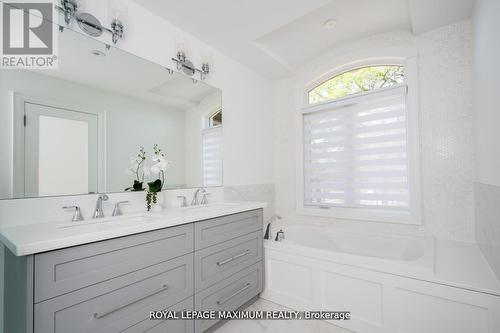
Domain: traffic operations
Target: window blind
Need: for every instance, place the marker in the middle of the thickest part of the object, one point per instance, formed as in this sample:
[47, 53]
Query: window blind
[355, 155]
[212, 156]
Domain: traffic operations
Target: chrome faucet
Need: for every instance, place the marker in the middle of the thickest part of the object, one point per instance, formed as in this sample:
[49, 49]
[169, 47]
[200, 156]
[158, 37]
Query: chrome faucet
[268, 228]
[98, 212]
[195, 201]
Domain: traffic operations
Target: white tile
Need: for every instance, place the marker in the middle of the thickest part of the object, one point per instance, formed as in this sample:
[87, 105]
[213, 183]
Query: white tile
[277, 326]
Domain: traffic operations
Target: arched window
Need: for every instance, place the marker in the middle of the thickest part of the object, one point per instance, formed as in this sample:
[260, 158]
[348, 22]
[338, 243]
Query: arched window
[356, 81]
[356, 146]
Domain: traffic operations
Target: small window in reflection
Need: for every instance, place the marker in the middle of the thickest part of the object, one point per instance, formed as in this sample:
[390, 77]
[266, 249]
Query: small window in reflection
[215, 119]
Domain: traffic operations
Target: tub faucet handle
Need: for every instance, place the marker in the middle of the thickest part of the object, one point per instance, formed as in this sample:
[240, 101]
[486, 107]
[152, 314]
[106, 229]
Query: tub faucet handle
[280, 235]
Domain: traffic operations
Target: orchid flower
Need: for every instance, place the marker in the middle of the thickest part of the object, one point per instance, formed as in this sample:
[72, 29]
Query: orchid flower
[160, 163]
[137, 165]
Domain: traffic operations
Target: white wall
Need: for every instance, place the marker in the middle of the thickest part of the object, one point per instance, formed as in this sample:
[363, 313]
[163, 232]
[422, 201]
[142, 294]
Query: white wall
[447, 154]
[487, 83]
[487, 122]
[125, 131]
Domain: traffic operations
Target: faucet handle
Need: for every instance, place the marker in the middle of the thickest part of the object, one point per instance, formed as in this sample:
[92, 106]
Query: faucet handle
[77, 216]
[117, 211]
[184, 200]
[204, 199]
[280, 235]
[195, 201]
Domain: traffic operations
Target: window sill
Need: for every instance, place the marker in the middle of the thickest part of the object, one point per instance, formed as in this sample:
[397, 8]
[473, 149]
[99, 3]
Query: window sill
[362, 215]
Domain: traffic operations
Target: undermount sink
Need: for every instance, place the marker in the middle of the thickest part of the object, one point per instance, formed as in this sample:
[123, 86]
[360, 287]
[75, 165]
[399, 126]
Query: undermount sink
[122, 220]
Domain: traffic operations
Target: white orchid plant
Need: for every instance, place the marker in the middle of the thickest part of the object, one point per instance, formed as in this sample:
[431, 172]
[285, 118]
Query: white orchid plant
[158, 168]
[141, 171]
[138, 169]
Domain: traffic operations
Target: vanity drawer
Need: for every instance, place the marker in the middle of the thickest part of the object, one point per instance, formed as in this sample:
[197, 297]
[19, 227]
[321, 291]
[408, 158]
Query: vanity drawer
[222, 260]
[62, 271]
[120, 303]
[144, 324]
[221, 229]
[229, 294]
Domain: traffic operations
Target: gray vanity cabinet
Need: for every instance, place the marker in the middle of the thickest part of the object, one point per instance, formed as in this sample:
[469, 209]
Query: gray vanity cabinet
[228, 263]
[110, 286]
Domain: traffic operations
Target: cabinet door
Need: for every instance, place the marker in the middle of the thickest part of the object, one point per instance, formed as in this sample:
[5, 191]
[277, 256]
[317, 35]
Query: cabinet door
[435, 308]
[119, 303]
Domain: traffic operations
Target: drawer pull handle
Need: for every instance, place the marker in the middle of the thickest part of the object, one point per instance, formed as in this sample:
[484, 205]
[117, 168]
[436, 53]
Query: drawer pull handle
[223, 262]
[222, 301]
[98, 315]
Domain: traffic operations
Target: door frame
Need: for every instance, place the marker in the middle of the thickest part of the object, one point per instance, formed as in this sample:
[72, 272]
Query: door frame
[18, 167]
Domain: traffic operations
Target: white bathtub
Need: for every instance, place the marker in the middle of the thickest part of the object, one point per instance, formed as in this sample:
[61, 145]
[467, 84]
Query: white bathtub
[390, 284]
[382, 253]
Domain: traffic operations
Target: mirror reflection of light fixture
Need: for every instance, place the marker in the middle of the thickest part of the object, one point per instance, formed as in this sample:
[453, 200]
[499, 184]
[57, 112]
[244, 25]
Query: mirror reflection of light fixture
[69, 9]
[89, 24]
[186, 66]
[119, 11]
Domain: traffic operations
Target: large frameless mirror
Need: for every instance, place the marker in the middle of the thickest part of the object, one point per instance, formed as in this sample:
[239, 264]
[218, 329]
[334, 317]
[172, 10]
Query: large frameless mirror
[105, 121]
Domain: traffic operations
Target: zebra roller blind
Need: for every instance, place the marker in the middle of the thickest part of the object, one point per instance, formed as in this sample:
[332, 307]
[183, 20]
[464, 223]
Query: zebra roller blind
[212, 156]
[355, 152]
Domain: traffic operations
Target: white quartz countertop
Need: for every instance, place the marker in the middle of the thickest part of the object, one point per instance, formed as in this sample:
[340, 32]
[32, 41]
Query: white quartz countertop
[30, 239]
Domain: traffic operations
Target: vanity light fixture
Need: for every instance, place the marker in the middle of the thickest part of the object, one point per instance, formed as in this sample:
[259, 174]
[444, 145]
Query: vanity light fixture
[186, 66]
[68, 7]
[88, 22]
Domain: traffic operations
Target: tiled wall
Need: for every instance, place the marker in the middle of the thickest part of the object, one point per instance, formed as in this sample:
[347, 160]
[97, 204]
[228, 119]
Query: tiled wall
[487, 198]
[261, 193]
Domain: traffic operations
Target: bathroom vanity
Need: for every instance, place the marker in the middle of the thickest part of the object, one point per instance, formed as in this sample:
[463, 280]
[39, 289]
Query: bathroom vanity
[205, 258]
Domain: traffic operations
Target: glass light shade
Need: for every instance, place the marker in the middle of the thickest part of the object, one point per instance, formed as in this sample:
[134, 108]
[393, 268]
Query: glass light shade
[118, 9]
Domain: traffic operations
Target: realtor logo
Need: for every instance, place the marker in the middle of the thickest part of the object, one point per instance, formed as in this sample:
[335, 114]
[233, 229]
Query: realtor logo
[29, 37]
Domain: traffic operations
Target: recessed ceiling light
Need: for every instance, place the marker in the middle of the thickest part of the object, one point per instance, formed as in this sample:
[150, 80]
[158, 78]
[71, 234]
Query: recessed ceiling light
[98, 53]
[330, 23]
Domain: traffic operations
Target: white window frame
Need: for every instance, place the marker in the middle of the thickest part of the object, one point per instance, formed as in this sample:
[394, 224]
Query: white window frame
[206, 129]
[406, 57]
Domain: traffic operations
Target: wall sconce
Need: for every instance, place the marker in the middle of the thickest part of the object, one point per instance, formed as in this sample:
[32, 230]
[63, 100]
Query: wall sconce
[186, 66]
[88, 22]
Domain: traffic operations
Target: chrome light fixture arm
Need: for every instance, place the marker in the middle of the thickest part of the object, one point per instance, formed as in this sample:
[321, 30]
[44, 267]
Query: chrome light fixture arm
[88, 23]
[188, 68]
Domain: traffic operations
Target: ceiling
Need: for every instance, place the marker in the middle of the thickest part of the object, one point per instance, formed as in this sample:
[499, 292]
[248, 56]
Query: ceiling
[273, 37]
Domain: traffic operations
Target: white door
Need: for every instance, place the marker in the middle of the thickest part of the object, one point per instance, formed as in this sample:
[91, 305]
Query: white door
[60, 151]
